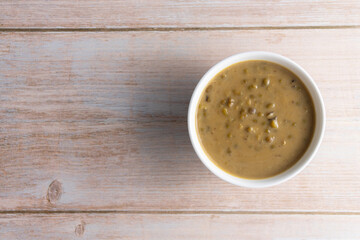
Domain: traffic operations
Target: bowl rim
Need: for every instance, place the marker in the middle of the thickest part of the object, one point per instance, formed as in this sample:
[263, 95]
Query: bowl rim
[320, 118]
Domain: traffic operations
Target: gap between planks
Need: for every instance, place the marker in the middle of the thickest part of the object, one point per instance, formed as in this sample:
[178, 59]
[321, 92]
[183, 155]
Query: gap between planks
[177, 29]
[178, 212]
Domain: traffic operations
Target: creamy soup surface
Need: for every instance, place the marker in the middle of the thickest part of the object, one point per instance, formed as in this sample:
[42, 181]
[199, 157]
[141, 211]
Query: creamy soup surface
[255, 119]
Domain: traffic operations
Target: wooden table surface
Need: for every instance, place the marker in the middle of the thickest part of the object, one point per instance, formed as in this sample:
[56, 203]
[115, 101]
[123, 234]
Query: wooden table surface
[93, 134]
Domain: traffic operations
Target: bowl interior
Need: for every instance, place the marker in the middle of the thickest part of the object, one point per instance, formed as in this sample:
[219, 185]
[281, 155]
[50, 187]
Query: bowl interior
[319, 118]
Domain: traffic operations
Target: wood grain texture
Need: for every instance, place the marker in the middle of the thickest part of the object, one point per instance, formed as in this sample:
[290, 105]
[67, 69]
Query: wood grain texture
[184, 13]
[104, 114]
[179, 226]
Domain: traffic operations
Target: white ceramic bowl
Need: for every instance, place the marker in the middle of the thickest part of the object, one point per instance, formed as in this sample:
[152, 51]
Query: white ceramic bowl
[319, 122]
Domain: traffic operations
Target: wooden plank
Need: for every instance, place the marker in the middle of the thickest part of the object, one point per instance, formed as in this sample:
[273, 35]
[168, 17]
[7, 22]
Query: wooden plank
[167, 13]
[104, 114]
[179, 226]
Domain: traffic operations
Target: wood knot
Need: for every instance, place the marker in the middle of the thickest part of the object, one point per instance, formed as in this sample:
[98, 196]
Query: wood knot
[54, 191]
[80, 229]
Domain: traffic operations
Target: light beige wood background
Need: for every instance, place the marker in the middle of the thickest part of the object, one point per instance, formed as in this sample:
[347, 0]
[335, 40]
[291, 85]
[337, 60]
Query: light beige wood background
[93, 137]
